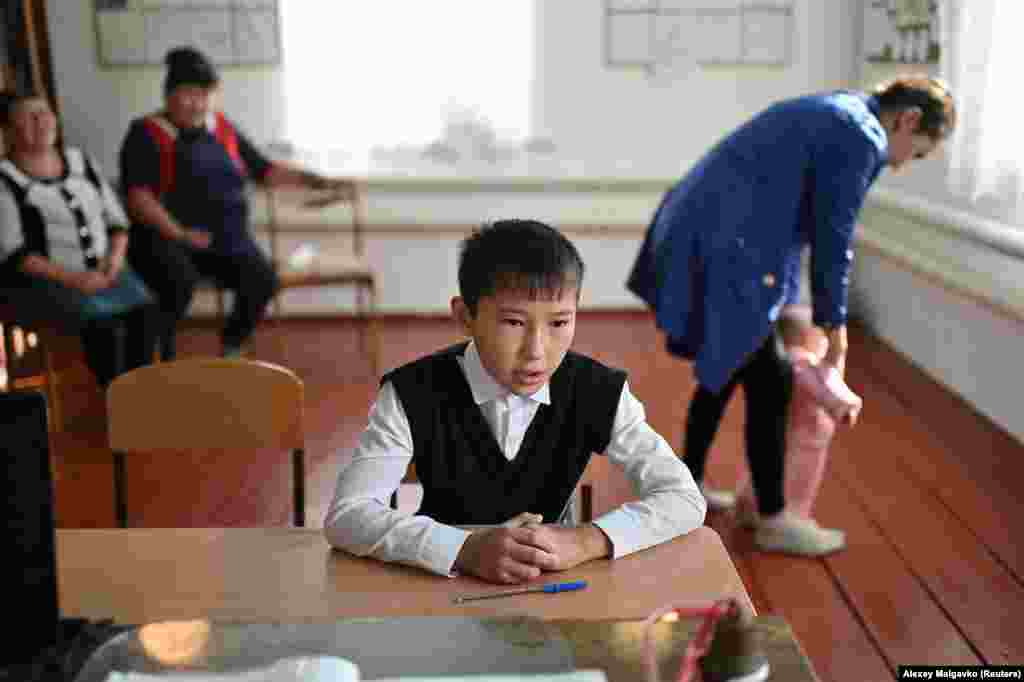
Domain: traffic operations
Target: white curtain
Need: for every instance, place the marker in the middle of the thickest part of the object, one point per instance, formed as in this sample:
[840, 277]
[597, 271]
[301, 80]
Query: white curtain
[360, 74]
[981, 55]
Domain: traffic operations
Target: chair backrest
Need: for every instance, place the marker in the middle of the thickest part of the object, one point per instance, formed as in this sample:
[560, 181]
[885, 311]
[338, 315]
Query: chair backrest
[205, 403]
[305, 213]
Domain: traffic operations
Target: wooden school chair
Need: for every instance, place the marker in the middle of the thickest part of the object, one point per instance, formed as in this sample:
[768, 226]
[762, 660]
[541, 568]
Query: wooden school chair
[303, 227]
[54, 350]
[62, 365]
[206, 404]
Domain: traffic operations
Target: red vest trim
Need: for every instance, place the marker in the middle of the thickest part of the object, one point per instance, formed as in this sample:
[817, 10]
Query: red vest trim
[165, 134]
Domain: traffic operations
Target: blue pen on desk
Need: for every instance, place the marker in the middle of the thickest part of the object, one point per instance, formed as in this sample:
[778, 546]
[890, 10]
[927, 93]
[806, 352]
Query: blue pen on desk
[550, 588]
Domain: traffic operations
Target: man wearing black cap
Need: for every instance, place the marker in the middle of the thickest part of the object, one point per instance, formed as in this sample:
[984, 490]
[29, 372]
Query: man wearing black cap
[184, 170]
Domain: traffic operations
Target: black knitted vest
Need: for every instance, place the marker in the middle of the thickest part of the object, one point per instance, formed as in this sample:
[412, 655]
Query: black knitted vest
[466, 478]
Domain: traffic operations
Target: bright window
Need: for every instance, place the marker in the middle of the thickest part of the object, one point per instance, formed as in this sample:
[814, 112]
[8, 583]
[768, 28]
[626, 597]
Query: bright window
[982, 63]
[361, 74]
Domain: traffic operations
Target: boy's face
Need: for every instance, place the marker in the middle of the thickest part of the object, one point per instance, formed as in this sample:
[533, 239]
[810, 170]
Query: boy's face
[521, 341]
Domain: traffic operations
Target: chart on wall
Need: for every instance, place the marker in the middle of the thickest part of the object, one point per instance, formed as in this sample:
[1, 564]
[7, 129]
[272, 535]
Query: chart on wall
[900, 36]
[902, 31]
[648, 33]
[230, 32]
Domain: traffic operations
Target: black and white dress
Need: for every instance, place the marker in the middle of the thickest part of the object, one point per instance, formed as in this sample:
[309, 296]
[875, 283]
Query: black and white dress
[69, 220]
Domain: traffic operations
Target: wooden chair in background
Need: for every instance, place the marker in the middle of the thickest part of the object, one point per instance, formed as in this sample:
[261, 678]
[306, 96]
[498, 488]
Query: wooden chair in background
[318, 218]
[293, 214]
[56, 363]
[206, 404]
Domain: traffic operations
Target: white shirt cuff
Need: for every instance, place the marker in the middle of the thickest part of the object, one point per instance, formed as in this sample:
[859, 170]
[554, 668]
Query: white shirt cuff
[442, 548]
[620, 527]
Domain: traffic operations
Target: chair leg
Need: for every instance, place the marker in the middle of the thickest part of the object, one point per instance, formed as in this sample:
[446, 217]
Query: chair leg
[361, 318]
[586, 503]
[120, 503]
[277, 305]
[299, 484]
[370, 336]
[52, 388]
[277, 329]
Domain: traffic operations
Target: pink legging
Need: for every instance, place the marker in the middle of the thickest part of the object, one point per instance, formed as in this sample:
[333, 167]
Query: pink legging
[818, 394]
[806, 456]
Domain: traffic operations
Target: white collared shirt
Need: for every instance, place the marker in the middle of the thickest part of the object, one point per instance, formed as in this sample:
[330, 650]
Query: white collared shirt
[361, 521]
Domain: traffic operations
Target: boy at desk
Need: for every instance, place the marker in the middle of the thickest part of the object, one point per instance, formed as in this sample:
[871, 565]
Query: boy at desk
[501, 428]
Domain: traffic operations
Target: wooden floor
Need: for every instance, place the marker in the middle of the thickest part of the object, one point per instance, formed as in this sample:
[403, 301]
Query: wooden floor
[925, 488]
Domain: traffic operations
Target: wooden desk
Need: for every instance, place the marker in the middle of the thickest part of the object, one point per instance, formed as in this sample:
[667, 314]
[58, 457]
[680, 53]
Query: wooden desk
[143, 575]
[283, 575]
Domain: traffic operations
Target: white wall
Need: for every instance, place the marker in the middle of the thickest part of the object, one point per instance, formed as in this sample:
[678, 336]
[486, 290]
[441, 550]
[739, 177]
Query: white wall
[97, 104]
[416, 261]
[593, 111]
[967, 346]
[416, 275]
[947, 299]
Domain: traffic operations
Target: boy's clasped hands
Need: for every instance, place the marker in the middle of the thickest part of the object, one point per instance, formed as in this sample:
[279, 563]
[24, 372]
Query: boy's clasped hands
[523, 547]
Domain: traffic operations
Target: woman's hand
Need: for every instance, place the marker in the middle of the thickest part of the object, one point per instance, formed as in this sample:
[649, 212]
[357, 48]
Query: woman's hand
[282, 173]
[342, 188]
[88, 282]
[197, 239]
[114, 262]
[333, 190]
[837, 347]
[849, 418]
[113, 266]
[91, 281]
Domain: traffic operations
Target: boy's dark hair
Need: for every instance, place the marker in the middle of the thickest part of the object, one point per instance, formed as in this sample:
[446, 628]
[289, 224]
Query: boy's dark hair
[930, 95]
[10, 98]
[520, 255]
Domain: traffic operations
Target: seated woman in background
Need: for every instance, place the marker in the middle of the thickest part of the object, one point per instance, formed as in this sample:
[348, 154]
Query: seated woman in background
[185, 170]
[63, 240]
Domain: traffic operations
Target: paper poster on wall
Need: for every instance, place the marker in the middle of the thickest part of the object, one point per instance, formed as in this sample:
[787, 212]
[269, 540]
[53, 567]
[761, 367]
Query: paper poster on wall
[632, 4]
[229, 32]
[130, 27]
[899, 36]
[629, 38]
[208, 30]
[655, 35]
[255, 36]
[765, 38]
[901, 31]
[718, 36]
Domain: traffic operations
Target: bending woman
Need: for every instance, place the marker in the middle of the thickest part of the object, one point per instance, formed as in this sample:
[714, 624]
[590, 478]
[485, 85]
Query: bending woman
[722, 257]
